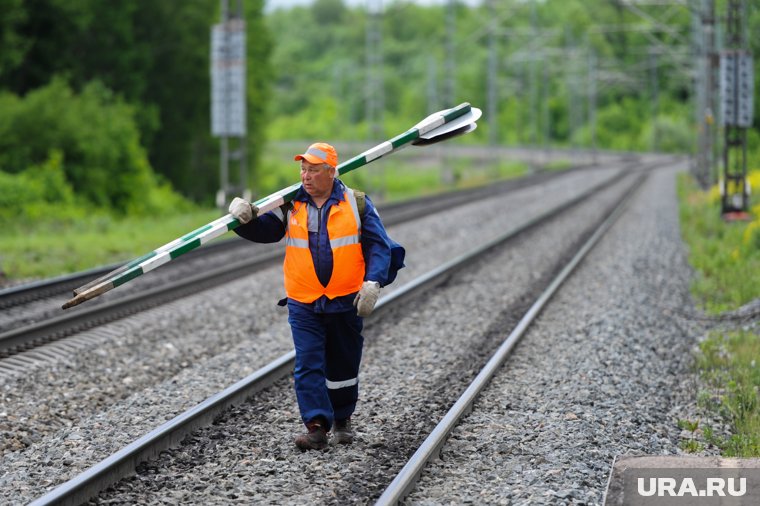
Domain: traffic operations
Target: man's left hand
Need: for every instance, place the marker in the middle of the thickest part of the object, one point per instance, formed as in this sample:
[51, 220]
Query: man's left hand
[367, 298]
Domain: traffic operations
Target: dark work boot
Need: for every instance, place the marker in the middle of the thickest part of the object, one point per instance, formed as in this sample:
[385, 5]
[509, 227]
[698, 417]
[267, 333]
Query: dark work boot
[342, 432]
[315, 438]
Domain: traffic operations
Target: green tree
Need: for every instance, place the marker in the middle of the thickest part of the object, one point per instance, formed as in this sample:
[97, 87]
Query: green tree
[330, 62]
[12, 43]
[153, 54]
[91, 138]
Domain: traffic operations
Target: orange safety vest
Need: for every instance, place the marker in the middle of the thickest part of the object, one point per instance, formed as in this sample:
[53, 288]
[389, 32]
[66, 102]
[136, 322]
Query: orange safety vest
[344, 231]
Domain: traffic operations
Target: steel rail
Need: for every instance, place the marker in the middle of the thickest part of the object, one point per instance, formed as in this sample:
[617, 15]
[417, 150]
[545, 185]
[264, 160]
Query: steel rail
[407, 478]
[22, 338]
[123, 463]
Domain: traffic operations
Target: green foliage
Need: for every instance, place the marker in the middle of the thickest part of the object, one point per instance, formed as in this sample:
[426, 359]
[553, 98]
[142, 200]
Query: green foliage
[558, 165]
[668, 134]
[155, 56]
[89, 145]
[625, 116]
[728, 366]
[689, 425]
[10, 40]
[321, 83]
[38, 192]
[690, 445]
[312, 122]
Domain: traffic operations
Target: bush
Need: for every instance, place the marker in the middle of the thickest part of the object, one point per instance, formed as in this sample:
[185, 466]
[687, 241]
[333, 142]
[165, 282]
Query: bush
[15, 192]
[60, 144]
[40, 192]
[616, 118]
[668, 134]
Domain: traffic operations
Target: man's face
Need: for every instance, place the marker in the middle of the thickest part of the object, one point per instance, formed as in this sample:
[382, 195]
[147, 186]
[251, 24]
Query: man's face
[317, 179]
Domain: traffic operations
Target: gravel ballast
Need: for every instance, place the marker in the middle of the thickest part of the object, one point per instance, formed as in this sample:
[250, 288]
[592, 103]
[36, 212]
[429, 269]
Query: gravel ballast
[417, 359]
[603, 372]
[77, 413]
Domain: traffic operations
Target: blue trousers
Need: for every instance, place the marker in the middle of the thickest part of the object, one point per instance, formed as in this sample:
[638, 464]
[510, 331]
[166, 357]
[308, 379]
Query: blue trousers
[328, 352]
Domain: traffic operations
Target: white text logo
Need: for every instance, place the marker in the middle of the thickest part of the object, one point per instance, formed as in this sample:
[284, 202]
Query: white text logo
[670, 487]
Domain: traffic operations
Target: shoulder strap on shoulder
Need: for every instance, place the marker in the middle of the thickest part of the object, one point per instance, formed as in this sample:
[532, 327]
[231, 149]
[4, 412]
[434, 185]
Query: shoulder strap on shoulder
[361, 202]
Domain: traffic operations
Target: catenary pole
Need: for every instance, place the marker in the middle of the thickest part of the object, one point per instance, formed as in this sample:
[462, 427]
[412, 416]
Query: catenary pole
[493, 117]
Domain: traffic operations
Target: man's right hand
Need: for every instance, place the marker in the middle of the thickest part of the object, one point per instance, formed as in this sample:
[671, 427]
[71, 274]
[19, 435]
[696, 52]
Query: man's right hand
[243, 210]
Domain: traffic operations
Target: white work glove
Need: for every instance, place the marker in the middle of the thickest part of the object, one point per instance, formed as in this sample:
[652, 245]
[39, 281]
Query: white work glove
[243, 210]
[367, 298]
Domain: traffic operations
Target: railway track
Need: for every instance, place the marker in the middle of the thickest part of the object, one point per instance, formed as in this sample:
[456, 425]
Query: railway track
[32, 316]
[397, 212]
[122, 463]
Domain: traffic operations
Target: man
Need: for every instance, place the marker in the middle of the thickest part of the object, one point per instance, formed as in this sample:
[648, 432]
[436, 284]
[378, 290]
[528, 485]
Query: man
[337, 257]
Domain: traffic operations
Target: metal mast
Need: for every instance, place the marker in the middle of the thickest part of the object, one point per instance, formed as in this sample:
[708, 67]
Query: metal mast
[592, 101]
[375, 103]
[450, 92]
[492, 97]
[736, 91]
[706, 93]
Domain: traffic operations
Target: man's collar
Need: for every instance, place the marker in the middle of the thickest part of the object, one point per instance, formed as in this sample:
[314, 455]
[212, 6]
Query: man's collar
[338, 189]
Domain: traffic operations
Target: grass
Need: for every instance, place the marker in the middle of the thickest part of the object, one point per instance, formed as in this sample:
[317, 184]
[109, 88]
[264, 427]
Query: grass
[726, 260]
[729, 369]
[558, 165]
[45, 249]
[725, 256]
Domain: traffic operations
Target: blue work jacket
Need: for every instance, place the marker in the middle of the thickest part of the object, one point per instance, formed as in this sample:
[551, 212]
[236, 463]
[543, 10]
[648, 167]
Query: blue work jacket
[382, 256]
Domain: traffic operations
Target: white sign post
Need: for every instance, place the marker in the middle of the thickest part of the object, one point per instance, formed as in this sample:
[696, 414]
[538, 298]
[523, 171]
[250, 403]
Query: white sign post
[228, 79]
[228, 99]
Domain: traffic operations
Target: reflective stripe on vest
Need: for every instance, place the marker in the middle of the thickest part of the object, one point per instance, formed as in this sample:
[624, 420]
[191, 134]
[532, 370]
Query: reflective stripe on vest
[344, 232]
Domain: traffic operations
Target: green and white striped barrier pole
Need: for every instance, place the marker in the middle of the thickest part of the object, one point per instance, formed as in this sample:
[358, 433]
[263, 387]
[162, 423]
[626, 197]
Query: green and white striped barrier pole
[437, 127]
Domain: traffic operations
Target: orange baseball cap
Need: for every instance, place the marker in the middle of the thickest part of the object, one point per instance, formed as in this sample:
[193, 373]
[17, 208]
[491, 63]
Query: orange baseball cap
[320, 152]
